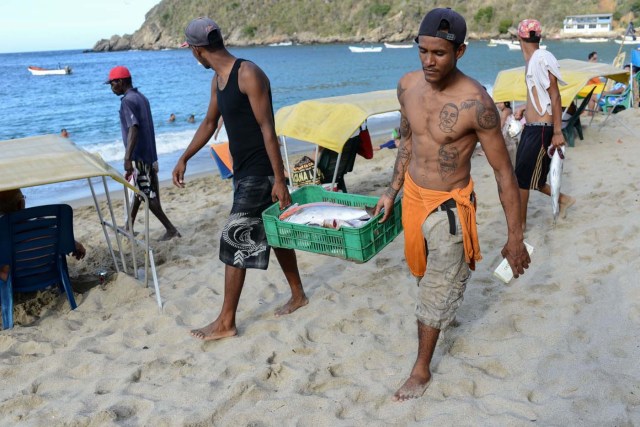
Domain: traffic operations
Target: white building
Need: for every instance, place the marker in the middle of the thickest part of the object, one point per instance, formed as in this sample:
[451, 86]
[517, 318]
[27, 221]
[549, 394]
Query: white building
[588, 24]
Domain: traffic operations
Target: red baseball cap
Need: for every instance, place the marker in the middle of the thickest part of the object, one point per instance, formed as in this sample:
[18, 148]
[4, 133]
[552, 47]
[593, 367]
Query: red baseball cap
[119, 72]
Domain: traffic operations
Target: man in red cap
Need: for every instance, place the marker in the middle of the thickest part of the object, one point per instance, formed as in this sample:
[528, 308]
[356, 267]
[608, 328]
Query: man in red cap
[543, 114]
[139, 141]
[443, 113]
[241, 94]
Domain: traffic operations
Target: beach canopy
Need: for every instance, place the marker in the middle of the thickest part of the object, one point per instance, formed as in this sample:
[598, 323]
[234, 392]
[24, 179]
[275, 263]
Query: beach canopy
[330, 122]
[510, 84]
[49, 159]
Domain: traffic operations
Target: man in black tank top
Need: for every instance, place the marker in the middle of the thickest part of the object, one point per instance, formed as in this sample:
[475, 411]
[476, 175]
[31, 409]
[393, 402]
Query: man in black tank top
[241, 93]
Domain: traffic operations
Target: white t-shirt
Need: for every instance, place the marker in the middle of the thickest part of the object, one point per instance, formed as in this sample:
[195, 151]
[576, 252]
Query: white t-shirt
[540, 65]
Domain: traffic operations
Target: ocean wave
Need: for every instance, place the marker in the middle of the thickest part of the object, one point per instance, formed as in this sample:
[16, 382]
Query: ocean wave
[166, 143]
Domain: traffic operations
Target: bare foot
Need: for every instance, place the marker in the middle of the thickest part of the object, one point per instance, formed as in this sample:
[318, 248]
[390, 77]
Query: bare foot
[213, 331]
[412, 388]
[291, 306]
[565, 203]
[170, 235]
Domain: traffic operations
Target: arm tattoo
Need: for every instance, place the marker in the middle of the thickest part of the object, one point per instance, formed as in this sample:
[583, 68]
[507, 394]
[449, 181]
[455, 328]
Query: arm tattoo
[488, 118]
[405, 130]
[448, 157]
[399, 169]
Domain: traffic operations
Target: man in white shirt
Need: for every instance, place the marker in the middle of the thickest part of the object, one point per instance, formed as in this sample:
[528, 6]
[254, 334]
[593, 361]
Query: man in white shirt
[543, 114]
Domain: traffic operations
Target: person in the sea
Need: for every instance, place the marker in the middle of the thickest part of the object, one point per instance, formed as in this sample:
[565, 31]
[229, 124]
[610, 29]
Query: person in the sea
[543, 113]
[172, 118]
[64, 133]
[241, 93]
[138, 136]
[191, 119]
[13, 201]
[444, 113]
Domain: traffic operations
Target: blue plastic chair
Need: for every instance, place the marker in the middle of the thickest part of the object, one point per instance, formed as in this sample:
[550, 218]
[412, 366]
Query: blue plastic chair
[34, 243]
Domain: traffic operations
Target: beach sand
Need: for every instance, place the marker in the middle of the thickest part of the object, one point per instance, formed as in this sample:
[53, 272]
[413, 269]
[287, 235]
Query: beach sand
[557, 346]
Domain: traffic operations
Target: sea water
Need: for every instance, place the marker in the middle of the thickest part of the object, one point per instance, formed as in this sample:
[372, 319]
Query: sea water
[175, 83]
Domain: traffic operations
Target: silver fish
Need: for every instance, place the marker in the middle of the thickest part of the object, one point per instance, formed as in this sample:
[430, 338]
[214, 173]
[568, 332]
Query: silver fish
[321, 213]
[555, 177]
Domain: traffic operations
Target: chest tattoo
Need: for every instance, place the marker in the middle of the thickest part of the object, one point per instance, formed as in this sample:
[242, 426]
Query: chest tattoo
[448, 117]
[448, 157]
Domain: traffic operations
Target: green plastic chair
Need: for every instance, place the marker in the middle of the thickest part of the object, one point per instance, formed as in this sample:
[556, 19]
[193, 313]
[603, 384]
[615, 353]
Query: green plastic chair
[573, 124]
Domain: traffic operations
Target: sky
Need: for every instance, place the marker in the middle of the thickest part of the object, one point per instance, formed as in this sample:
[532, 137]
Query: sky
[41, 25]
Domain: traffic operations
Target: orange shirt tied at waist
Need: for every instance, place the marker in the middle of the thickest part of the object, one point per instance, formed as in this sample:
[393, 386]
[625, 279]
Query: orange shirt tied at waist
[418, 203]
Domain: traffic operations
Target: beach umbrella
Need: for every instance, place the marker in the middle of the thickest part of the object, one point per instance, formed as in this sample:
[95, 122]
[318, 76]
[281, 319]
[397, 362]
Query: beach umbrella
[510, 84]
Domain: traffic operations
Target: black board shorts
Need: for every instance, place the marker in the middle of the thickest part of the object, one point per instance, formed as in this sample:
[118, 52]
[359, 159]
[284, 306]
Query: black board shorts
[243, 242]
[532, 161]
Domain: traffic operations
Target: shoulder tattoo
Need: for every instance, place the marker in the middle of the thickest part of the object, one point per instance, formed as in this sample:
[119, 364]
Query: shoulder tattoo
[487, 117]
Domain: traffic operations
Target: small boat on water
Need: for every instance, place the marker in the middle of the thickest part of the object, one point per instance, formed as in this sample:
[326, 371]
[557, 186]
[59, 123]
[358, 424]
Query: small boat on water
[593, 40]
[628, 40]
[516, 46]
[398, 46]
[372, 49]
[39, 71]
[281, 44]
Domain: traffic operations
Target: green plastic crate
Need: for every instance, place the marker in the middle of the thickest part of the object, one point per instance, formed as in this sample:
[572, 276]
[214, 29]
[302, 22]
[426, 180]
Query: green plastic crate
[354, 244]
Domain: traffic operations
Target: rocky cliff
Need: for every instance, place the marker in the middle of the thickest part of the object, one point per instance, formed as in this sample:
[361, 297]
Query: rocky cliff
[258, 22]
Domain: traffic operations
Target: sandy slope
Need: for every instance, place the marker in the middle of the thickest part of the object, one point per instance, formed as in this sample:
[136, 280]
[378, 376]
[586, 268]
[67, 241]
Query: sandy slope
[559, 346]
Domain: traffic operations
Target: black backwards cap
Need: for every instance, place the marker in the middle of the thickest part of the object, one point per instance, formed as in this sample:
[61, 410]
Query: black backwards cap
[431, 22]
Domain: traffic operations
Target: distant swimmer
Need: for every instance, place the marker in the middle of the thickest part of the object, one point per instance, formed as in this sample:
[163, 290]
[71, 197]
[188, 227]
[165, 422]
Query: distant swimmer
[191, 119]
[64, 133]
[172, 118]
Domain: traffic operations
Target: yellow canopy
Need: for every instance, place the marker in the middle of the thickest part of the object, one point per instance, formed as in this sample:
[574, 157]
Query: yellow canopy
[510, 84]
[329, 122]
[48, 159]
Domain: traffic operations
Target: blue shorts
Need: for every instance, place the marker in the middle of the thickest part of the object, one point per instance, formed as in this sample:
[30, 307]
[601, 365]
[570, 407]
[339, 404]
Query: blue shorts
[243, 243]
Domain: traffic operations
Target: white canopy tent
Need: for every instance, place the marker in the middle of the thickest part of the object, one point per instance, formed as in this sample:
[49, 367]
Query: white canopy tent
[50, 159]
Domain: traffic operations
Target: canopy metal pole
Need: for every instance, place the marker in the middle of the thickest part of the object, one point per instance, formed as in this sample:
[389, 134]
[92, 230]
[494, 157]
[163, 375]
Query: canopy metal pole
[283, 141]
[155, 279]
[335, 172]
[104, 227]
[146, 240]
[115, 226]
[315, 164]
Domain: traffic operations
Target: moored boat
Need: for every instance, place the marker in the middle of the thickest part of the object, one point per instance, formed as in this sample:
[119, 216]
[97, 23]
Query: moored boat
[592, 40]
[398, 46]
[372, 49]
[39, 71]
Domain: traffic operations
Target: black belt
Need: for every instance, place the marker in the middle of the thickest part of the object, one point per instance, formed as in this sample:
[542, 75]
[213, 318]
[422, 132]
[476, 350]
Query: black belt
[448, 207]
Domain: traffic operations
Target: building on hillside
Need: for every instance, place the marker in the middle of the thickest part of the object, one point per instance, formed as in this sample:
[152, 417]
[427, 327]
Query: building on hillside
[588, 24]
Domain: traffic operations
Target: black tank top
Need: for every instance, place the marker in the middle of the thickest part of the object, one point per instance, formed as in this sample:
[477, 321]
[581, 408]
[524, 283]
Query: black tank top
[246, 143]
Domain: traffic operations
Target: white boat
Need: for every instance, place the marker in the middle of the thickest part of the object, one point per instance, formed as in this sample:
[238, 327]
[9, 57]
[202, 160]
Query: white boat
[398, 46]
[592, 40]
[372, 49]
[629, 40]
[499, 41]
[516, 46]
[281, 44]
[39, 71]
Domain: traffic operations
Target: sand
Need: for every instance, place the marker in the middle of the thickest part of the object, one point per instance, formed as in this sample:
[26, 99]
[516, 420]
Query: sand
[558, 346]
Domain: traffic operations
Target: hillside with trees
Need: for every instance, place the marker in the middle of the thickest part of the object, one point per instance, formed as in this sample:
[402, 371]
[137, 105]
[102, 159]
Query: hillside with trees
[254, 22]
